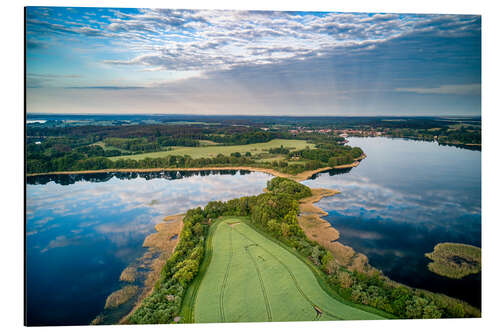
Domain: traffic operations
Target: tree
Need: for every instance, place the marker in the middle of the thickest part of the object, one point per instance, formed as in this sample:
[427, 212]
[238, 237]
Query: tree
[285, 230]
[345, 280]
[326, 262]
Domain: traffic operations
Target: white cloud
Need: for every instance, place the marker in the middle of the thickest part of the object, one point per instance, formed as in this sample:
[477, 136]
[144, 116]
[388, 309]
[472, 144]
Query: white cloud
[216, 39]
[223, 39]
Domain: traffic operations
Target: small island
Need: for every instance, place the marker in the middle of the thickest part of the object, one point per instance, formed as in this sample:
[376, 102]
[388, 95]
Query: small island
[454, 260]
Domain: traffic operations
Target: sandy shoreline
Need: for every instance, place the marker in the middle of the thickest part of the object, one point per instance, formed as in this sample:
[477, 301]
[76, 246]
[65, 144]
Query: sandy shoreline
[321, 231]
[310, 219]
[298, 177]
[162, 240]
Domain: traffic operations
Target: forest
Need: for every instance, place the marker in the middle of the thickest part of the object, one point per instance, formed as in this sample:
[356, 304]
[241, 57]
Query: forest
[60, 147]
[81, 148]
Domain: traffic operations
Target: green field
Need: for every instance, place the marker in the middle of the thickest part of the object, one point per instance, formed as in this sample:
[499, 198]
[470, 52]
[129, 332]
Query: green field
[250, 278]
[212, 151]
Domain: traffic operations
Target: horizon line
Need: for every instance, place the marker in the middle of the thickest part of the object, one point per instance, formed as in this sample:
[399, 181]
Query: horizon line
[248, 115]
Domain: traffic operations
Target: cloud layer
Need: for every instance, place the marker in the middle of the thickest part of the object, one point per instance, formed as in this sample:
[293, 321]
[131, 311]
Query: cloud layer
[326, 60]
[165, 39]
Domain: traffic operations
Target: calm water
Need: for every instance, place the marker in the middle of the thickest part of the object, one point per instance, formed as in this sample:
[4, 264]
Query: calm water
[407, 196]
[82, 231]
[403, 199]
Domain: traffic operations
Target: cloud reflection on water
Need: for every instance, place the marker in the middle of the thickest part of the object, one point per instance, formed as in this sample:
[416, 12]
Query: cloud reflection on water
[363, 196]
[127, 202]
[81, 236]
[402, 200]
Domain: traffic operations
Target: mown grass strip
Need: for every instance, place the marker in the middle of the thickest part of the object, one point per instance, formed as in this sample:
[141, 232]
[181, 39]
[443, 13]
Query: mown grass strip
[189, 301]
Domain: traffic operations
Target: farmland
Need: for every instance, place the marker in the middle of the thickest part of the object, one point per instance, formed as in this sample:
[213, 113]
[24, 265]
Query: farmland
[251, 278]
[214, 150]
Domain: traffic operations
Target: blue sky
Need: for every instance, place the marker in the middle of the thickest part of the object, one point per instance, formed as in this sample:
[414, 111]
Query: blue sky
[104, 60]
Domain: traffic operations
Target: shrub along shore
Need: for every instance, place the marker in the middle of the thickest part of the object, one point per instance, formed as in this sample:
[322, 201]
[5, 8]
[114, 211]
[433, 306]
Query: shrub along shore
[297, 177]
[275, 213]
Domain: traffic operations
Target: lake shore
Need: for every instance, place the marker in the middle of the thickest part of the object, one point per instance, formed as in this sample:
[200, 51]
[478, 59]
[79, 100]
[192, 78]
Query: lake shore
[298, 177]
[321, 231]
[161, 245]
[164, 240]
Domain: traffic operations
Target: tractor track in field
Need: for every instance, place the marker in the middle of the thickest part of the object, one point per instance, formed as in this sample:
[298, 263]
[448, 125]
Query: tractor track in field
[291, 275]
[262, 286]
[224, 280]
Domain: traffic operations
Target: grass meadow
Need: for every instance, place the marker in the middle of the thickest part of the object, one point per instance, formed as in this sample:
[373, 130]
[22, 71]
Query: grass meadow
[214, 150]
[251, 278]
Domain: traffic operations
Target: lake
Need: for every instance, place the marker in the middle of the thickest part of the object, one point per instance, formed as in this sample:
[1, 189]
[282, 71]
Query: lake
[402, 200]
[83, 230]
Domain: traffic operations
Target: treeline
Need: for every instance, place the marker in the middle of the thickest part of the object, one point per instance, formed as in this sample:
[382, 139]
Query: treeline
[461, 137]
[331, 154]
[194, 132]
[121, 131]
[445, 135]
[325, 155]
[79, 162]
[74, 161]
[145, 145]
[290, 187]
[60, 154]
[98, 177]
[165, 301]
[147, 138]
[243, 138]
[279, 150]
[275, 213]
[62, 157]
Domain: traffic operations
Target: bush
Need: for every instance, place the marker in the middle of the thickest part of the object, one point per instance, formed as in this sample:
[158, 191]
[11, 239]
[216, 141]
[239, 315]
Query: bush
[179, 270]
[287, 186]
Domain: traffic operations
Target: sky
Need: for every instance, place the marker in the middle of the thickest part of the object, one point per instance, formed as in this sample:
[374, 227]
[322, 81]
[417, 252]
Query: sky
[161, 61]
